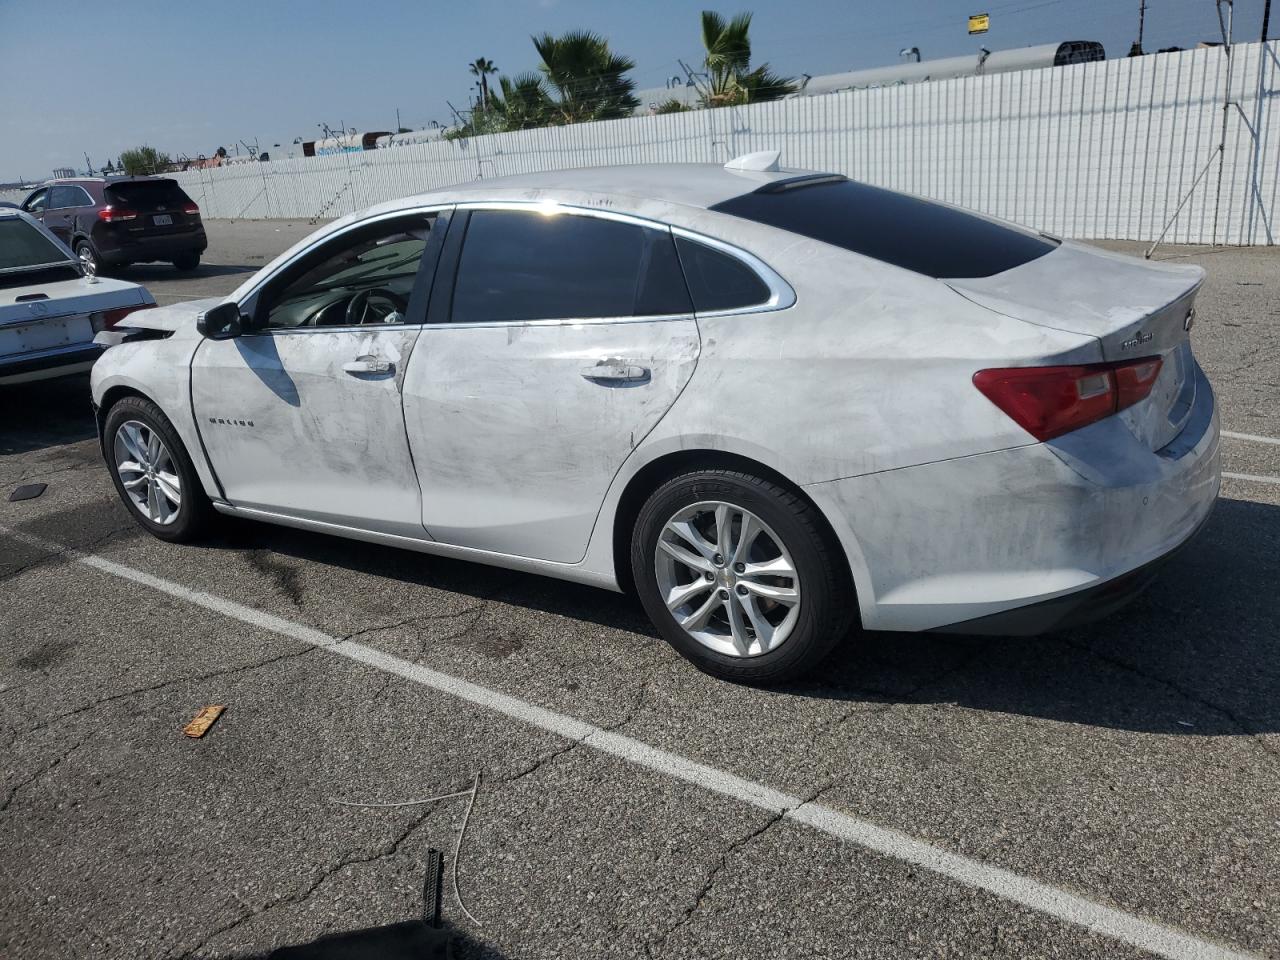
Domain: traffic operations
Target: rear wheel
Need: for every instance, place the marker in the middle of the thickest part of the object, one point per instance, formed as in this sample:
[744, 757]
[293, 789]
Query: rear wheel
[186, 262]
[740, 575]
[153, 473]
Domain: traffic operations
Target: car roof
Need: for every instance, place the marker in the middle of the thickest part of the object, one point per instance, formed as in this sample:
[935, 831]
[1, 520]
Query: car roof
[699, 185]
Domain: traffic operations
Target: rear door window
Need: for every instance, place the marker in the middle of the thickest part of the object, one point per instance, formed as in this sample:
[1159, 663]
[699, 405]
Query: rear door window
[718, 281]
[68, 195]
[518, 266]
[928, 238]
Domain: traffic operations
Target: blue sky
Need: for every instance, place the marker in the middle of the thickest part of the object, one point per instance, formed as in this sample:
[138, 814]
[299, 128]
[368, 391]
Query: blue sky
[186, 77]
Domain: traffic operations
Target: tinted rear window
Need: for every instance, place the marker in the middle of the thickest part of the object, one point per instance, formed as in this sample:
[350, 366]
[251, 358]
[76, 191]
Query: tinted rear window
[146, 193]
[891, 227]
[22, 245]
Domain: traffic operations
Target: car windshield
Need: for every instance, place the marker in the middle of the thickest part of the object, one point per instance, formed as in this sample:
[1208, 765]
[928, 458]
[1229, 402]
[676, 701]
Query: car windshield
[919, 235]
[23, 247]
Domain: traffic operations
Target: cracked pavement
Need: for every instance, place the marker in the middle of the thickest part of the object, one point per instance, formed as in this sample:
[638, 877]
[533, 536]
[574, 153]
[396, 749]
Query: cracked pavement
[1134, 762]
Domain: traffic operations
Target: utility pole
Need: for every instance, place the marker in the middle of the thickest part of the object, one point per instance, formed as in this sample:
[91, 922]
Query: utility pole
[1136, 49]
[1266, 19]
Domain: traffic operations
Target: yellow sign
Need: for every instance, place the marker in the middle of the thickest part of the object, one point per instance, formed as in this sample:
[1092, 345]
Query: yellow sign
[979, 23]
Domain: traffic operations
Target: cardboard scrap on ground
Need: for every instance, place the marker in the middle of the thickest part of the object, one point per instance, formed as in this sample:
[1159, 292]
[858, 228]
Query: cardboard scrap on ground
[203, 720]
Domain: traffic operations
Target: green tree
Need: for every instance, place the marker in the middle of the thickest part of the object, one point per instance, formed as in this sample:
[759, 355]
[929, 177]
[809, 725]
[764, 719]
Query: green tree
[672, 105]
[728, 63]
[588, 78]
[524, 102]
[482, 68]
[143, 160]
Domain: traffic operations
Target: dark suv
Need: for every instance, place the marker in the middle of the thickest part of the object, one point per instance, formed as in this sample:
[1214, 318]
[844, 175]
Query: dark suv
[112, 221]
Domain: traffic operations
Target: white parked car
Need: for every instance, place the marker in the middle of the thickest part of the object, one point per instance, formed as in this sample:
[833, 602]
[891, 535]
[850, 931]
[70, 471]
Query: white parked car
[775, 403]
[51, 305]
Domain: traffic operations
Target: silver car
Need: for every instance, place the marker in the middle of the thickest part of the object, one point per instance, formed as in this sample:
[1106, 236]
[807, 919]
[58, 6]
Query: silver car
[774, 403]
[51, 304]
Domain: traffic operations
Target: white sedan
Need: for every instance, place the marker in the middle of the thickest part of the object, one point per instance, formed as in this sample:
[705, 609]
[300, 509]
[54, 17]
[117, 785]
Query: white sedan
[51, 305]
[774, 403]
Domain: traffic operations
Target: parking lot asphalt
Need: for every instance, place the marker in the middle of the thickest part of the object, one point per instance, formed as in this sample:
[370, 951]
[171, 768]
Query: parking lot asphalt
[1112, 791]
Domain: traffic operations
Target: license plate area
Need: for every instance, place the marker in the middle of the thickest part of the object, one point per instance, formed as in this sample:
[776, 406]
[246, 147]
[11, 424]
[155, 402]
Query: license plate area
[45, 335]
[162, 220]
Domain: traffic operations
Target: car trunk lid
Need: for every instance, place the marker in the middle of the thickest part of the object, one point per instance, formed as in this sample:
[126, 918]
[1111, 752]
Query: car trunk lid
[1133, 308]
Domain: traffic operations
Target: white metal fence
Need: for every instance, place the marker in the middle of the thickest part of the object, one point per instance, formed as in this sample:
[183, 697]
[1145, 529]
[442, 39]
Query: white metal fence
[1097, 150]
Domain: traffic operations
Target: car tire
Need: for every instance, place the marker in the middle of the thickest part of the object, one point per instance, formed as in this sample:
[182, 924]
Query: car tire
[127, 429]
[187, 262]
[783, 523]
[86, 251]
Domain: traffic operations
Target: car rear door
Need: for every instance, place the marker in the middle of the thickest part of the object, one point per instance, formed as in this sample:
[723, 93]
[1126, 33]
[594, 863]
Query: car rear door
[563, 339]
[66, 200]
[302, 416]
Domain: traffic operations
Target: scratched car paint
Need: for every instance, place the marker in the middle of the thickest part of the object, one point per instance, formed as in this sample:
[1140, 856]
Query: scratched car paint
[849, 466]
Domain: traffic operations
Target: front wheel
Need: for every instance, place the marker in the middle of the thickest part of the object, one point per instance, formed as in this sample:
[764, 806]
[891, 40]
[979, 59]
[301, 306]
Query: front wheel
[153, 473]
[741, 576]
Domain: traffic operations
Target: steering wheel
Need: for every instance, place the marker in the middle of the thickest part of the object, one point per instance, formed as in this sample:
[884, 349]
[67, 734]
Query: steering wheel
[358, 306]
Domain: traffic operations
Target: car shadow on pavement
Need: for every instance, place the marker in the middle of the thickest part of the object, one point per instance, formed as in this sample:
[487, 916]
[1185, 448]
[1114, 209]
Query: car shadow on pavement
[410, 940]
[1195, 655]
[46, 413]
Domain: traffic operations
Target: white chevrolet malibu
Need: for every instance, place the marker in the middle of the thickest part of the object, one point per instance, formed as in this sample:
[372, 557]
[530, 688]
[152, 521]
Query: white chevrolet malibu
[774, 403]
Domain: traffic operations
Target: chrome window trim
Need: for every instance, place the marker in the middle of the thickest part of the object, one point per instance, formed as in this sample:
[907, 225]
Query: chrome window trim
[249, 302]
[781, 295]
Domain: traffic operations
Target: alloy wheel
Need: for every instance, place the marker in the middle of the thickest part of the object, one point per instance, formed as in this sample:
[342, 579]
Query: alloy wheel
[727, 579]
[147, 472]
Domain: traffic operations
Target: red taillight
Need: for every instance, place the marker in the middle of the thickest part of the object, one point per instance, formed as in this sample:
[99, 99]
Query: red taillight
[107, 319]
[114, 214]
[1050, 401]
[191, 210]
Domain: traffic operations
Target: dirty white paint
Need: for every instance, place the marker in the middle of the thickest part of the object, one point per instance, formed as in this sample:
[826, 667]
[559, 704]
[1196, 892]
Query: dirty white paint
[489, 443]
[1063, 905]
[1095, 150]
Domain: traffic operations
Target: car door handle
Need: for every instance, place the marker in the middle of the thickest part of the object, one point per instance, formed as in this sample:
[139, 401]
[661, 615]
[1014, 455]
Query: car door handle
[368, 364]
[616, 371]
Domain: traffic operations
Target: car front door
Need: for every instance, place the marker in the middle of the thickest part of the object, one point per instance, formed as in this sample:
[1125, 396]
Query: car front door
[564, 338]
[301, 415]
[35, 203]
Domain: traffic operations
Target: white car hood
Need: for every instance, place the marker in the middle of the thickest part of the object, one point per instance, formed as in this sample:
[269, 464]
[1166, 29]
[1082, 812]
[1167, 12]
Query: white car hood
[178, 318]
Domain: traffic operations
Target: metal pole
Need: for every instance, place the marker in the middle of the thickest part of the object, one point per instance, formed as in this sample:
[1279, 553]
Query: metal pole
[1142, 19]
[1226, 113]
[1266, 19]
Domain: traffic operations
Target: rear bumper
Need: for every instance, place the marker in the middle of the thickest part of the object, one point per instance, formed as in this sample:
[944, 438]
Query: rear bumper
[1027, 539]
[118, 248]
[61, 362]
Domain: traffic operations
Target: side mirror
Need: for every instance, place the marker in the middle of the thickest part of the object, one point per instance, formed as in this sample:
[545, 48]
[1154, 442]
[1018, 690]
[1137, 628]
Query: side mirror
[221, 322]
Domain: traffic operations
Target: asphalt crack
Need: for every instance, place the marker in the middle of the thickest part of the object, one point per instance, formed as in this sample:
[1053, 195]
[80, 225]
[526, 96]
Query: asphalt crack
[387, 849]
[41, 772]
[173, 681]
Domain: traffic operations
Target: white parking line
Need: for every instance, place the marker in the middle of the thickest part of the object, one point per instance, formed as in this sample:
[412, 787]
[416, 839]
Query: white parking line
[1251, 436]
[1053, 901]
[1252, 477]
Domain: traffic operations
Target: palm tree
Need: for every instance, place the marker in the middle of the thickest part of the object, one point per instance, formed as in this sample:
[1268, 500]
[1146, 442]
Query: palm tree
[524, 102]
[480, 67]
[728, 63]
[586, 76]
